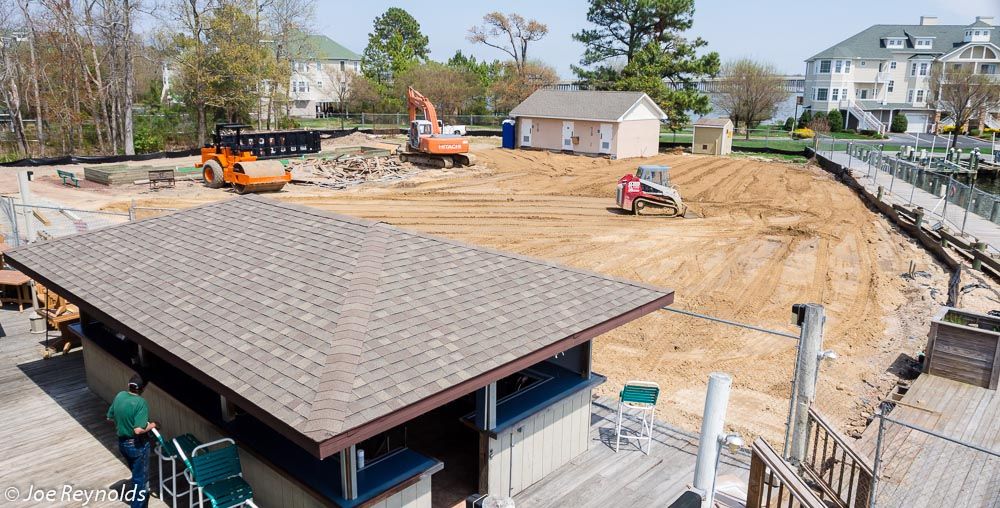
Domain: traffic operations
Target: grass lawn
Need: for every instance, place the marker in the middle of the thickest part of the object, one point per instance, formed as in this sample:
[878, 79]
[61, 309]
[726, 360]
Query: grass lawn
[849, 135]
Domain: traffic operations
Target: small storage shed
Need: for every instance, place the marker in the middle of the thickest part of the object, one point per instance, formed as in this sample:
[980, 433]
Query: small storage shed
[713, 136]
[616, 124]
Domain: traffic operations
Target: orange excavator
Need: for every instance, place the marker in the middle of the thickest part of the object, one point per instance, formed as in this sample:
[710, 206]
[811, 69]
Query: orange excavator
[426, 145]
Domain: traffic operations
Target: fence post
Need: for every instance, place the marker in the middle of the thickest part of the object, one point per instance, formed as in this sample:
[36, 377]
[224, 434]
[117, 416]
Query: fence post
[811, 319]
[878, 456]
[22, 185]
[712, 426]
[918, 217]
[131, 210]
[977, 247]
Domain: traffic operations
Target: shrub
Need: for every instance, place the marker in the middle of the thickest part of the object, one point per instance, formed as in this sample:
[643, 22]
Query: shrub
[974, 132]
[147, 141]
[803, 133]
[851, 131]
[819, 124]
[899, 123]
[804, 119]
[836, 121]
[868, 132]
[789, 124]
[947, 129]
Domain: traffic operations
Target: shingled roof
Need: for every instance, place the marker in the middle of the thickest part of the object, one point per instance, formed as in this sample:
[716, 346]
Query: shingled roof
[608, 106]
[321, 323]
[868, 43]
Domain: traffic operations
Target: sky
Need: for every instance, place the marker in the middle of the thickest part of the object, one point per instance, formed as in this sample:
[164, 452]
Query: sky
[782, 32]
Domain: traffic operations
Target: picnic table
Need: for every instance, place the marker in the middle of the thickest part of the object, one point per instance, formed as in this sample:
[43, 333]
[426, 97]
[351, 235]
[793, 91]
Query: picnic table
[15, 287]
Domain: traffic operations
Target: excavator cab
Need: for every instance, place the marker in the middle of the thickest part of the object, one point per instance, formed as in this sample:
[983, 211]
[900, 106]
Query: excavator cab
[419, 129]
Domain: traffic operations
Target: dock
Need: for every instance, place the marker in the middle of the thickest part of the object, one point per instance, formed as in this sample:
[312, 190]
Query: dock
[920, 470]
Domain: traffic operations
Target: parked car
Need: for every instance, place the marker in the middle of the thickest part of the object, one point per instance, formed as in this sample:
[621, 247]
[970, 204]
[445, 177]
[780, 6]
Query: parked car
[458, 130]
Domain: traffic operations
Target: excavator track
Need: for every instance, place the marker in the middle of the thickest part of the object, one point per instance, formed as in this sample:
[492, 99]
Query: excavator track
[422, 159]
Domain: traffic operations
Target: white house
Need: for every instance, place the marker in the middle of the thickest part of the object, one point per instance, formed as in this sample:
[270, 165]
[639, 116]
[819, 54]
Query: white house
[885, 69]
[320, 80]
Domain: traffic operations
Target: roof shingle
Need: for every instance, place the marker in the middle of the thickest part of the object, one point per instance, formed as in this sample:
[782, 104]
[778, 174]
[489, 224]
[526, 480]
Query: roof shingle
[324, 322]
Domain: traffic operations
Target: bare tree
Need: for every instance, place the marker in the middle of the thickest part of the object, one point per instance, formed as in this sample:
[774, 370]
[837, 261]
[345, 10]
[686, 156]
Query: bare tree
[962, 93]
[510, 33]
[749, 91]
[8, 85]
[31, 36]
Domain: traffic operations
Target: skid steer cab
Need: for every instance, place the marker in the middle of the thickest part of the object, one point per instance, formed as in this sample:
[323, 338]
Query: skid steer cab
[649, 192]
[249, 161]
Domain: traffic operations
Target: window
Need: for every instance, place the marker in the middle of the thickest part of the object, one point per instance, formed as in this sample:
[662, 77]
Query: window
[909, 96]
[923, 69]
[835, 94]
[894, 43]
[920, 96]
[892, 84]
[988, 69]
[824, 66]
[862, 94]
[838, 66]
[847, 65]
[319, 84]
[913, 70]
[342, 63]
[892, 65]
[821, 94]
[356, 66]
[924, 43]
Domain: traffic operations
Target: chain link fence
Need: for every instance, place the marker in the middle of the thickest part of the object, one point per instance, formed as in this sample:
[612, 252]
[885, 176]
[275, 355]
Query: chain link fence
[21, 224]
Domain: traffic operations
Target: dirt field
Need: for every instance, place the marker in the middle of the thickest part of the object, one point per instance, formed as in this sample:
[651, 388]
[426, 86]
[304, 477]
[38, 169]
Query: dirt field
[767, 235]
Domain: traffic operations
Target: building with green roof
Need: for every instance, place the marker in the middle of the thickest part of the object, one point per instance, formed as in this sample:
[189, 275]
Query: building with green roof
[885, 69]
[320, 80]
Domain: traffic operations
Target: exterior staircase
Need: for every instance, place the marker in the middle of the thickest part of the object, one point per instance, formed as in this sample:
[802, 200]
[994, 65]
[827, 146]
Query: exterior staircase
[866, 120]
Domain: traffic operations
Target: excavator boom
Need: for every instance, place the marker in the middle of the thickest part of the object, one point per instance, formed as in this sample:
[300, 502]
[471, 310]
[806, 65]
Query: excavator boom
[416, 100]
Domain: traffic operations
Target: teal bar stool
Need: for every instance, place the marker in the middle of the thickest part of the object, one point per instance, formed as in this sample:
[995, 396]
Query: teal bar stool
[166, 452]
[640, 396]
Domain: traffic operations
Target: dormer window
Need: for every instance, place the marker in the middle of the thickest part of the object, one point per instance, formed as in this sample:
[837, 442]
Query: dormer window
[894, 42]
[978, 34]
[924, 43]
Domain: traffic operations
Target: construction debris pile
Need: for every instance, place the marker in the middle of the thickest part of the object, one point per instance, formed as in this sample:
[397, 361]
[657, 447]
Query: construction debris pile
[348, 169]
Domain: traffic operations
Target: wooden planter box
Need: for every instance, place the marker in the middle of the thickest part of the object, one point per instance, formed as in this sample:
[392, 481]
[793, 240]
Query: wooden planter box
[964, 346]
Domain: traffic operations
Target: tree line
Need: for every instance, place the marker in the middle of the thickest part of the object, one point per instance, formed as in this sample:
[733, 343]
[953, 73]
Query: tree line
[81, 77]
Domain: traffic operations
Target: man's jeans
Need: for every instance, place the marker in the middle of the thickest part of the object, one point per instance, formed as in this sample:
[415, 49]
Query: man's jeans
[137, 455]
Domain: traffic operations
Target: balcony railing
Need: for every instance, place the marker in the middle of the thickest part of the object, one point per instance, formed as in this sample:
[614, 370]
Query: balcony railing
[844, 476]
[774, 484]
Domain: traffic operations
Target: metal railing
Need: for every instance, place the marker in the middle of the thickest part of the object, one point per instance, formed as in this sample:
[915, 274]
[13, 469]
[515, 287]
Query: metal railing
[21, 224]
[844, 476]
[773, 483]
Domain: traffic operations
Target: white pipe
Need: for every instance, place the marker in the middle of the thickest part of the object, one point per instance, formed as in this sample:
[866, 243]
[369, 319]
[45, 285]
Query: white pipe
[712, 423]
[22, 186]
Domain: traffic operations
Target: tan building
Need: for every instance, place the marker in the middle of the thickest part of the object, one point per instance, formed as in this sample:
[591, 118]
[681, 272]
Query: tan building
[713, 136]
[616, 124]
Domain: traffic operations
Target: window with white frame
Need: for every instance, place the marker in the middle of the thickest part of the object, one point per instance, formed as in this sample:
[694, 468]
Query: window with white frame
[924, 43]
[342, 63]
[835, 94]
[838, 66]
[821, 94]
[843, 93]
[892, 65]
[847, 66]
[920, 96]
[913, 69]
[923, 68]
[861, 93]
[356, 64]
[894, 43]
[909, 95]
[890, 86]
[824, 66]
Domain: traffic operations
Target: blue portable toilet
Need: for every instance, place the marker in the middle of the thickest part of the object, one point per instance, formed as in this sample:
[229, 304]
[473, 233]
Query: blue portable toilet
[508, 134]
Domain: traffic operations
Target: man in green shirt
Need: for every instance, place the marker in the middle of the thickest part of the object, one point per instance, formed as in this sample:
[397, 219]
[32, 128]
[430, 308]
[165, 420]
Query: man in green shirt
[130, 414]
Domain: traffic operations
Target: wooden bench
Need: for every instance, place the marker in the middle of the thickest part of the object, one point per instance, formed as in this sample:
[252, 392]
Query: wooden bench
[66, 175]
[58, 314]
[161, 177]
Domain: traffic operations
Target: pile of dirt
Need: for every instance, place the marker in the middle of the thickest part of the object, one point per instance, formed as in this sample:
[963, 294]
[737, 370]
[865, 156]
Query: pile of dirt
[766, 236]
[349, 170]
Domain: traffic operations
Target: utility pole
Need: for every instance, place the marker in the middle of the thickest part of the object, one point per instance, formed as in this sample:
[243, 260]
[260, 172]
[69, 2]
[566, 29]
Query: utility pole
[811, 319]
[712, 426]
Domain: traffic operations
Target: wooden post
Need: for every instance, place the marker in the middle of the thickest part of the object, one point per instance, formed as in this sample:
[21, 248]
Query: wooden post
[806, 375]
[918, 217]
[878, 195]
[977, 247]
[349, 473]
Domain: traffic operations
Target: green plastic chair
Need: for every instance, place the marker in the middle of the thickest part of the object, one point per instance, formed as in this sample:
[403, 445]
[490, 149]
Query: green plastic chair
[217, 474]
[166, 452]
[641, 396]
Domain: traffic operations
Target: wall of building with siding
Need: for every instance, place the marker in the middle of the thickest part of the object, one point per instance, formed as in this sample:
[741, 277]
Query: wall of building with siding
[636, 138]
[545, 442]
[106, 376]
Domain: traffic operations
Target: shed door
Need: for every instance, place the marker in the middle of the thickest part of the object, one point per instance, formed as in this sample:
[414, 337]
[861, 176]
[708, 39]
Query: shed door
[567, 136]
[525, 132]
[607, 131]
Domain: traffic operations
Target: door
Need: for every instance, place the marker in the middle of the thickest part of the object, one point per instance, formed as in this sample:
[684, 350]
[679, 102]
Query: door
[916, 122]
[525, 132]
[567, 136]
[606, 133]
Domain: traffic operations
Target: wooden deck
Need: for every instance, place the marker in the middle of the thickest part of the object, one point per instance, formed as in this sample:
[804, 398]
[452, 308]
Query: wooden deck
[920, 470]
[52, 428]
[601, 478]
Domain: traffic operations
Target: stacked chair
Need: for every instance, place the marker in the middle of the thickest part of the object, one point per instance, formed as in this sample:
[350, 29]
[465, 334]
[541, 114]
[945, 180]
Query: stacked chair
[216, 474]
[212, 469]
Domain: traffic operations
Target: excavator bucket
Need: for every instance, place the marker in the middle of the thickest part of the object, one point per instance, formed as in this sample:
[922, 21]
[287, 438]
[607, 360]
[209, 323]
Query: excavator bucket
[260, 176]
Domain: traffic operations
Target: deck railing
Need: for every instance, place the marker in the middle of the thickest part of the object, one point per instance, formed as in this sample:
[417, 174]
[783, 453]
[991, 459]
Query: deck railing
[773, 483]
[844, 476]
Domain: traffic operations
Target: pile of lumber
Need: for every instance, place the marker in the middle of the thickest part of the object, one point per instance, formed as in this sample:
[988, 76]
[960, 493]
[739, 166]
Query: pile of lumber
[347, 170]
